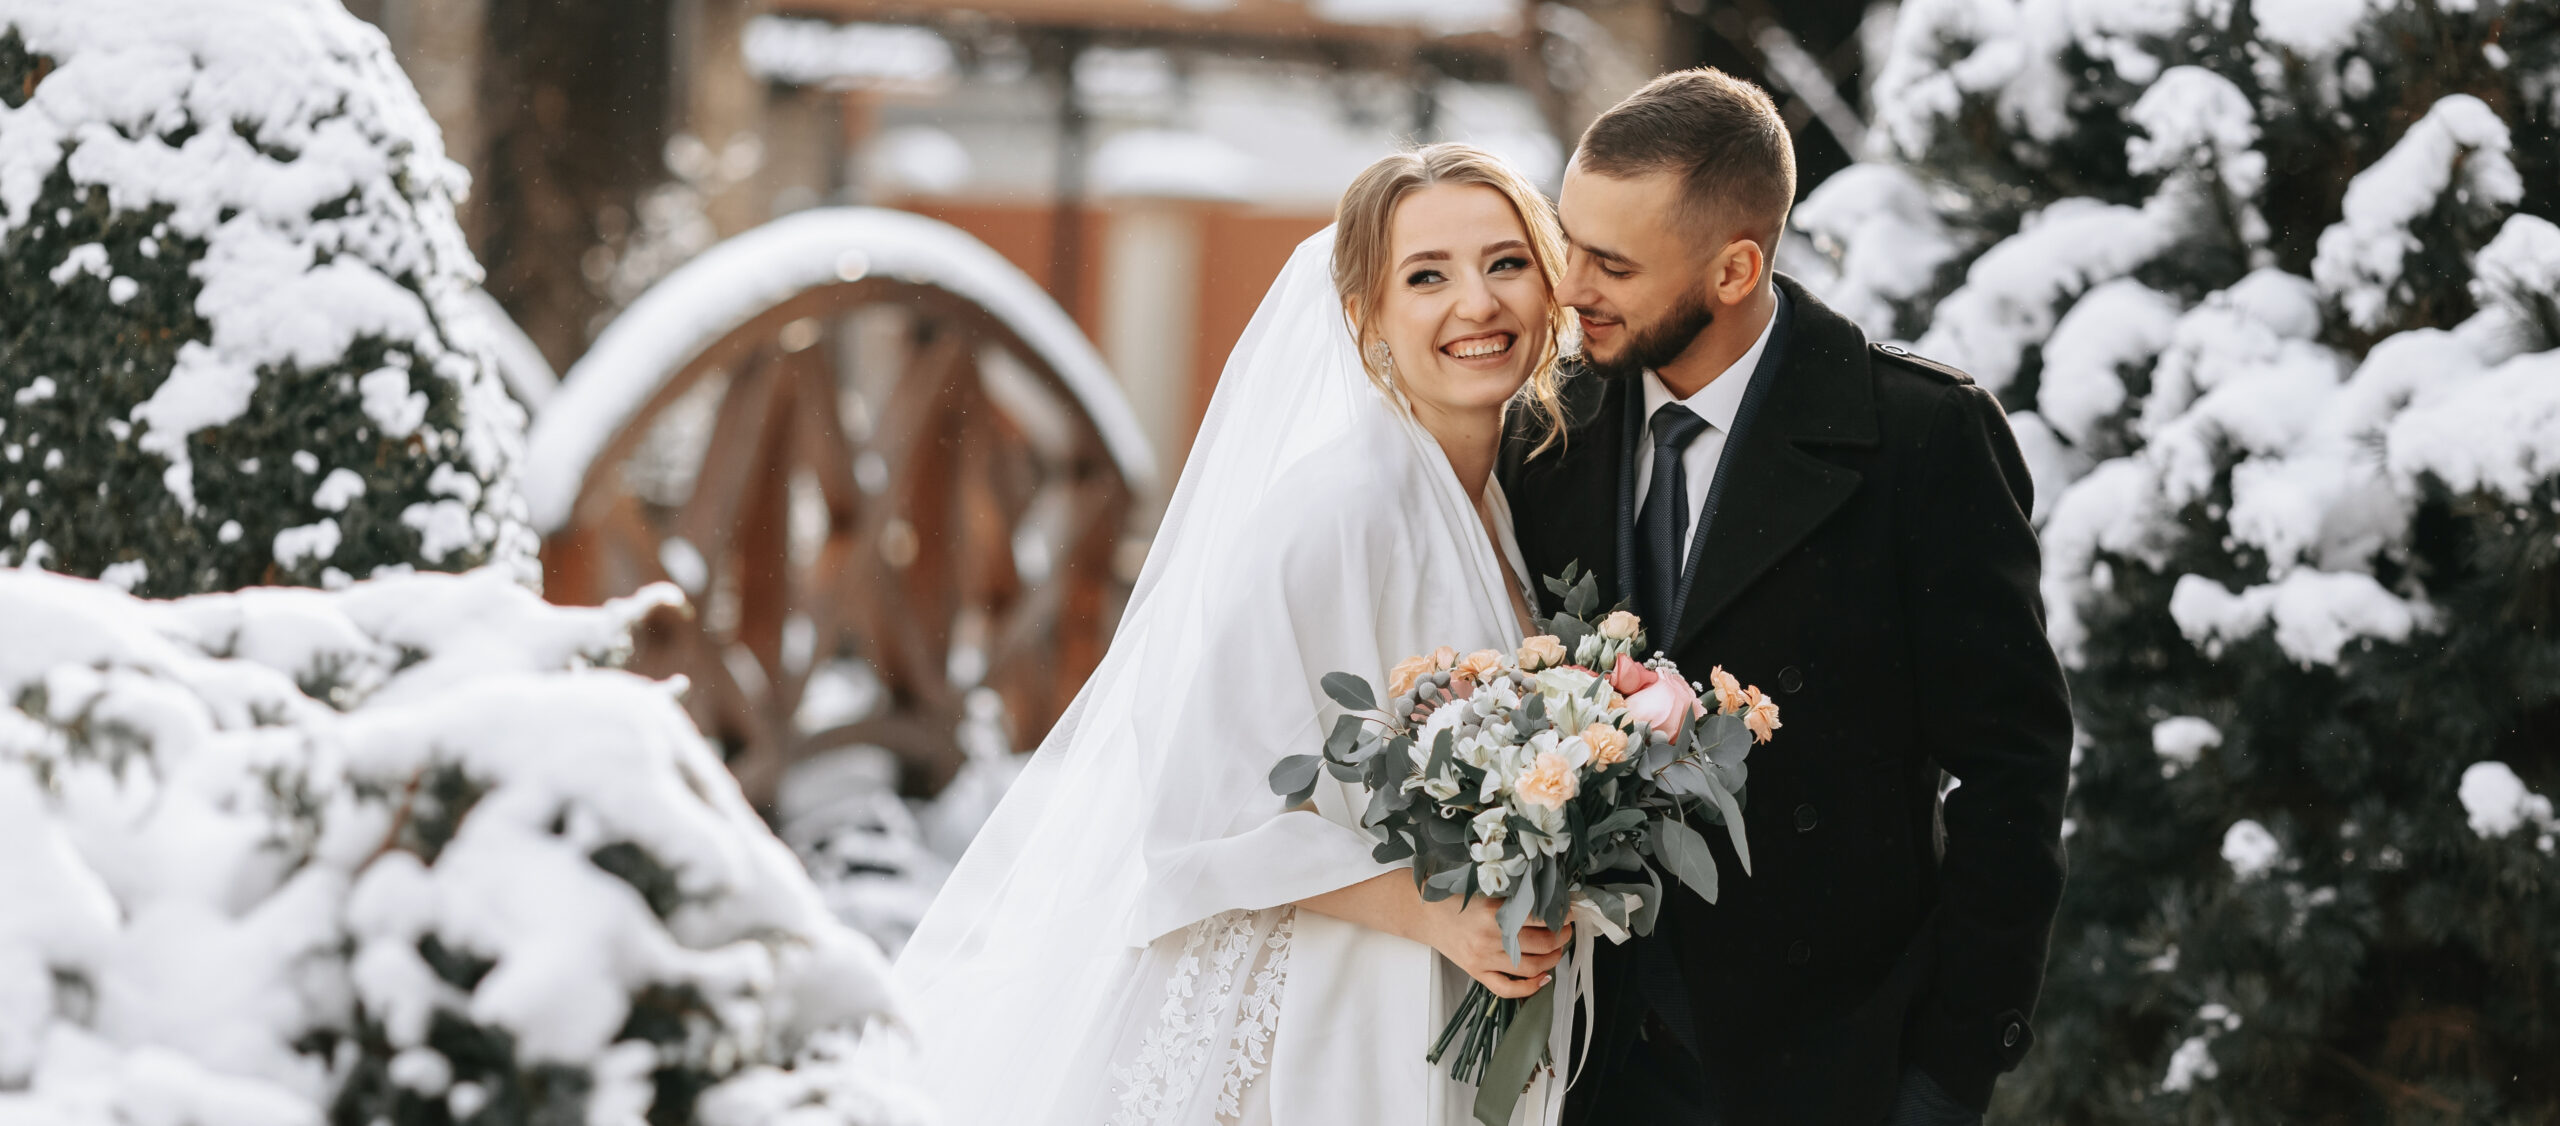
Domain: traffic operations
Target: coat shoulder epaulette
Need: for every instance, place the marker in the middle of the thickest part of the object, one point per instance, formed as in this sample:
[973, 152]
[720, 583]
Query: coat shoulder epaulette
[1904, 357]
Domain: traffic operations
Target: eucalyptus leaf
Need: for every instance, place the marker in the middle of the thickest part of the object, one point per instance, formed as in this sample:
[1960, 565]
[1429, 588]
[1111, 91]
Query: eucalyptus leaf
[1733, 825]
[1342, 771]
[1651, 908]
[1378, 810]
[1612, 905]
[1685, 777]
[1295, 776]
[1393, 849]
[1584, 598]
[1570, 630]
[1686, 855]
[1350, 691]
[1346, 734]
[1617, 822]
[1442, 885]
[1513, 913]
[1728, 739]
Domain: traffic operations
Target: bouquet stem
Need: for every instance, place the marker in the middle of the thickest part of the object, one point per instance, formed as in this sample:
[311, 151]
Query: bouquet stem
[1489, 1054]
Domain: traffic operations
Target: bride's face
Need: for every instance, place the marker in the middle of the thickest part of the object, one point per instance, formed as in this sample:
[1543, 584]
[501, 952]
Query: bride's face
[1462, 297]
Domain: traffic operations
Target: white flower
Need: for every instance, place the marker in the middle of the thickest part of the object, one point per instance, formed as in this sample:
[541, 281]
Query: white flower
[1487, 852]
[1493, 879]
[1445, 719]
[1587, 652]
[1490, 826]
[1442, 787]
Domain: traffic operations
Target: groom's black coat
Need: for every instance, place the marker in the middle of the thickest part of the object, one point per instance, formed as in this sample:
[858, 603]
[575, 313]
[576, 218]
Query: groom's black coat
[1871, 565]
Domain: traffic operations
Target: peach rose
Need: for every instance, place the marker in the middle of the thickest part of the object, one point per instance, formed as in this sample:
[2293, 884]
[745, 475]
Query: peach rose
[1760, 714]
[1443, 659]
[1608, 744]
[1629, 678]
[1480, 666]
[1664, 705]
[1728, 690]
[1549, 782]
[1406, 674]
[1620, 626]
[1541, 652]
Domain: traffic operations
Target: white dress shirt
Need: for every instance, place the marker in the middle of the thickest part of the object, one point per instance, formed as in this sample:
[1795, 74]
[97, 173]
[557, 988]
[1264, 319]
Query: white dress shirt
[1717, 402]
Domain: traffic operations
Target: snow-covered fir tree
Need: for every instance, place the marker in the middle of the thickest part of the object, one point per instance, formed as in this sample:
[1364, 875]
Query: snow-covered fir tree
[233, 338]
[2270, 288]
[404, 854]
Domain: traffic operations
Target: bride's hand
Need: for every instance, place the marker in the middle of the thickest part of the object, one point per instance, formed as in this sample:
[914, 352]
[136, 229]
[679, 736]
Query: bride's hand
[1471, 937]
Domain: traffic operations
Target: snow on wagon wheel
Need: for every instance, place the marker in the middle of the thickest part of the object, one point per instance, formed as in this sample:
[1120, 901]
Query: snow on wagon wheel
[893, 477]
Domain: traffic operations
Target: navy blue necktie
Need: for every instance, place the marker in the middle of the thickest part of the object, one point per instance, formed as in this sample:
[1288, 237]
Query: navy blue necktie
[1662, 529]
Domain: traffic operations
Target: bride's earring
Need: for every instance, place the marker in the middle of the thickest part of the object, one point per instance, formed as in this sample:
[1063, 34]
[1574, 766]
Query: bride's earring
[1386, 360]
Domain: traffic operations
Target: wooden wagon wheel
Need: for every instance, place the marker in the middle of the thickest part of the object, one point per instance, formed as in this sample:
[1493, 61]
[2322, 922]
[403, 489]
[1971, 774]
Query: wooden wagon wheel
[892, 477]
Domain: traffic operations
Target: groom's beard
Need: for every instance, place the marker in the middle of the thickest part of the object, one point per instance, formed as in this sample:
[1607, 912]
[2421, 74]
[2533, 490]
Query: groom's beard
[1656, 344]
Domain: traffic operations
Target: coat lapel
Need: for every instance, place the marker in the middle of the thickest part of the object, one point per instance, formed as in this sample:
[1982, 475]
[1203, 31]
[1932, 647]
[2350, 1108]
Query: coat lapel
[1772, 492]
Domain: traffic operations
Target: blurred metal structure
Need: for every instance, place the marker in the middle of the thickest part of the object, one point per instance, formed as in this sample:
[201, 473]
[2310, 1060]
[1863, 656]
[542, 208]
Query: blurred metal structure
[899, 508]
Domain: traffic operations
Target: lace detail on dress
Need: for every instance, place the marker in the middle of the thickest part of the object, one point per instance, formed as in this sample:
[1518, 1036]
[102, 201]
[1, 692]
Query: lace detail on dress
[1202, 1017]
[1256, 1018]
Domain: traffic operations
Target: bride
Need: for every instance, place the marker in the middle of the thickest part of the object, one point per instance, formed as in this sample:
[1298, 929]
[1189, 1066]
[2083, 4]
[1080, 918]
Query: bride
[1141, 933]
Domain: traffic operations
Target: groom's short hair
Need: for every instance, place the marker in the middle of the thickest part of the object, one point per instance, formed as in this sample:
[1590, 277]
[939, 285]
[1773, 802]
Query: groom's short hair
[1720, 135]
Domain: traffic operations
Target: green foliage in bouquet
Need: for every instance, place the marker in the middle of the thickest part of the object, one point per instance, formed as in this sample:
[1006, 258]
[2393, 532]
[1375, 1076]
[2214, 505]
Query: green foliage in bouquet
[2271, 292]
[234, 343]
[1543, 780]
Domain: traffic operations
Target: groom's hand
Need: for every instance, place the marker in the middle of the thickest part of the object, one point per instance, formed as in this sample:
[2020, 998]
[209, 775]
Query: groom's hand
[1471, 937]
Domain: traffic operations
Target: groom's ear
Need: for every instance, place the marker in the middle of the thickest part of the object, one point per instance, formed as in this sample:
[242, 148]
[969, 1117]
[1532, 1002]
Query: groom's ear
[1737, 271]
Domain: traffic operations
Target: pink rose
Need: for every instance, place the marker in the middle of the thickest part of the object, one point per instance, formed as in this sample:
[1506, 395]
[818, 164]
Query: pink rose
[1629, 678]
[1664, 705]
[1549, 781]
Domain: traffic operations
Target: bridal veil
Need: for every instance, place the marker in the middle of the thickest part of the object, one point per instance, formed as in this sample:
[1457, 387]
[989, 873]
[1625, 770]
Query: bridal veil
[1118, 945]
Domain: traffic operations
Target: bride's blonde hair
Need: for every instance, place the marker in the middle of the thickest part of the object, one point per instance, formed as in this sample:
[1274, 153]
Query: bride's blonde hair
[1360, 258]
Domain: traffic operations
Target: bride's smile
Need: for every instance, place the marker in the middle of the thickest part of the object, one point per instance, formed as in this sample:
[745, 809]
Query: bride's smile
[1464, 293]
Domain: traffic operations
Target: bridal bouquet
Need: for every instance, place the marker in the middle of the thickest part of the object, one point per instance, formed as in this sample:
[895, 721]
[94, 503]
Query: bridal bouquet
[1559, 778]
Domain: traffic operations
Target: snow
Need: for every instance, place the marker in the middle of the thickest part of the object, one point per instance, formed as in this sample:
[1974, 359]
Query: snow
[2193, 117]
[2359, 260]
[1886, 243]
[2250, 849]
[2498, 433]
[2052, 464]
[2111, 510]
[2312, 29]
[921, 160]
[2193, 1060]
[2497, 802]
[2519, 271]
[1437, 17]
[2014, 293]
[2115, 326]
[734, 281]
[854, 56]
[1171, 164]
[2315, 614]
[287, 110]
[215, 834]
[2181, 741]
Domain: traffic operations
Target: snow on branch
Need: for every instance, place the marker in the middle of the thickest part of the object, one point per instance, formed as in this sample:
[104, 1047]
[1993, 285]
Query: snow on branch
[2013, 294]
[285, 856]
[2459, 149]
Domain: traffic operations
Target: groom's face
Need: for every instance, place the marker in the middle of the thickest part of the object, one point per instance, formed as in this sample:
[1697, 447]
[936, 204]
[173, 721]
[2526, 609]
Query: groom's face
[1631, 275]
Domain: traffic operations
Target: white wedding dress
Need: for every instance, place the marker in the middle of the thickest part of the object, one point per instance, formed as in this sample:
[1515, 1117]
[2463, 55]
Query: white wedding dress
[1118, 946]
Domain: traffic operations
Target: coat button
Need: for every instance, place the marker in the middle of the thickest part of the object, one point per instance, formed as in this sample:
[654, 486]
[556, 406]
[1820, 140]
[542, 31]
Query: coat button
[1807, 818]
[2009, 1036]
[1799, 952]
[1790, 679]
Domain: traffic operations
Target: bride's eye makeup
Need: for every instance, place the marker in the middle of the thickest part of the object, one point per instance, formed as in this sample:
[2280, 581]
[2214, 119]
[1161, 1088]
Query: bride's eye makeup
[1424, 277]
[1507, 263]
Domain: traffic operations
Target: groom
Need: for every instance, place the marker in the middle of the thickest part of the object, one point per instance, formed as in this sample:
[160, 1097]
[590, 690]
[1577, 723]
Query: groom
[1845, 525]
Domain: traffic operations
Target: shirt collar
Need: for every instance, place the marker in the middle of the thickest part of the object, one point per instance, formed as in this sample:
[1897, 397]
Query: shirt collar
[1721, 399]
